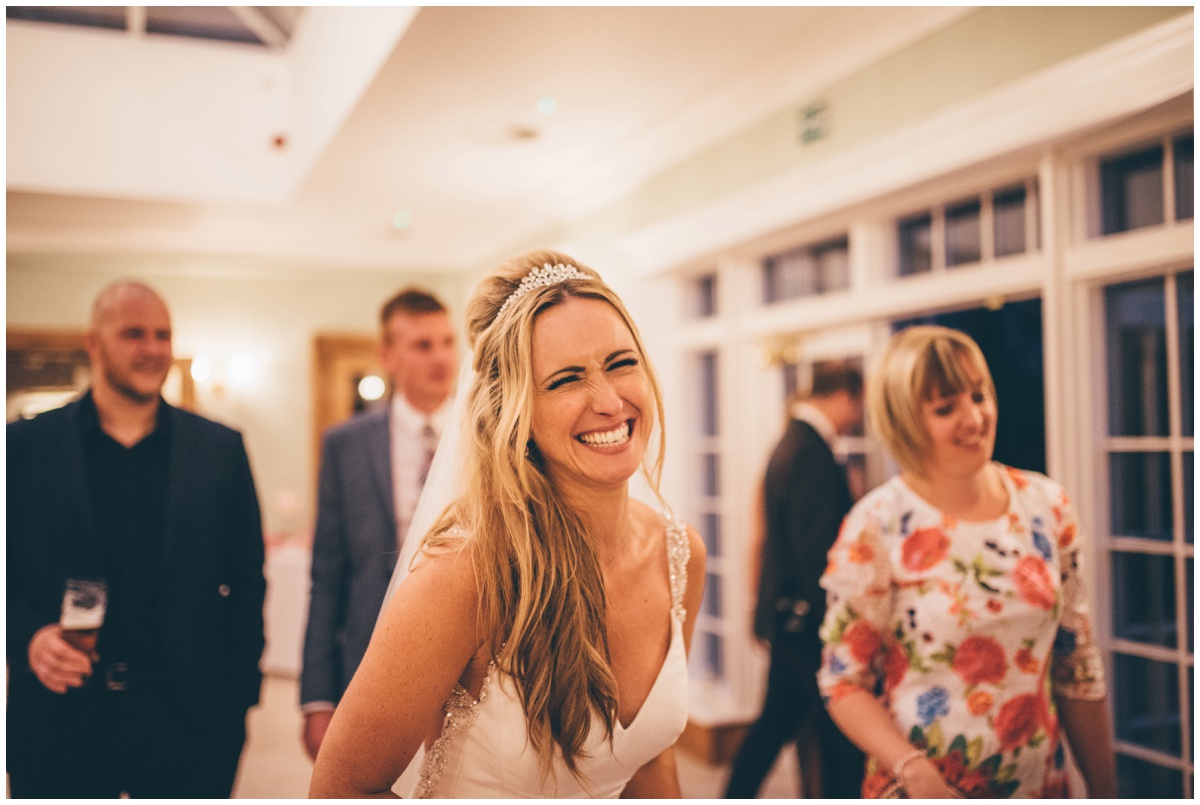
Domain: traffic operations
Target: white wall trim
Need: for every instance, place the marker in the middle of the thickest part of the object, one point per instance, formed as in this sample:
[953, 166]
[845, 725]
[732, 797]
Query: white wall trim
[1122, 78]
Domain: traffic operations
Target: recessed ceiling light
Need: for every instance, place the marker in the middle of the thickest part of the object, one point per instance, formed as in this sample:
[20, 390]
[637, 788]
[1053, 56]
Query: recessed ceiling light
[402, 219]
[546, 105]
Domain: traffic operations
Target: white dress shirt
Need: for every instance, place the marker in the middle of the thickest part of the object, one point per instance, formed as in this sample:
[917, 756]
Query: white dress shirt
[408, 456]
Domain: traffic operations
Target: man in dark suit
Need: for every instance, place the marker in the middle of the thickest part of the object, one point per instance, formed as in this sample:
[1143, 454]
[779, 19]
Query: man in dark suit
[804, 498]
[160, 505]
[372, 471]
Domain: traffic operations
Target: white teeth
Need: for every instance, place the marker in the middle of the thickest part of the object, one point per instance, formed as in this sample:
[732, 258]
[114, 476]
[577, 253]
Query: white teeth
[618, 435]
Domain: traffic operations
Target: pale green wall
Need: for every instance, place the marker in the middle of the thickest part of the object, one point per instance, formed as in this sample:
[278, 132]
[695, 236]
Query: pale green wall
[272, 314]
[977, 53]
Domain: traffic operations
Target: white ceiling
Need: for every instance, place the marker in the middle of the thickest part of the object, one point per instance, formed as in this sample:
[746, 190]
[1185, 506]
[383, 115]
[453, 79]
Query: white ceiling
[442, 125]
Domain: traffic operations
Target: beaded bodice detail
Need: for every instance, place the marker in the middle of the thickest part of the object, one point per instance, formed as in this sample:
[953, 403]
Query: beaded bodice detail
[483, 751]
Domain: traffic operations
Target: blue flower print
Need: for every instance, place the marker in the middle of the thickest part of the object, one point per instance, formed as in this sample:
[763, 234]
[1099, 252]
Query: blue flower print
[904, 519]
[836, 665]
[1039, 539]
[931, 704]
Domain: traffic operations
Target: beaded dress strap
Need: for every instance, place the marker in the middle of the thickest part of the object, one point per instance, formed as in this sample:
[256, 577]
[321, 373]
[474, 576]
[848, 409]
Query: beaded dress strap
[679, 552]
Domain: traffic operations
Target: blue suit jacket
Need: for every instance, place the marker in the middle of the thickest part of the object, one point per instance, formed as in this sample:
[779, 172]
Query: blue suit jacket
[210, 577]
[354, 552]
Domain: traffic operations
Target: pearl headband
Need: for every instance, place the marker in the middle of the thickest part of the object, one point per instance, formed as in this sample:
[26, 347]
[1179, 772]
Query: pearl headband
[540, 277]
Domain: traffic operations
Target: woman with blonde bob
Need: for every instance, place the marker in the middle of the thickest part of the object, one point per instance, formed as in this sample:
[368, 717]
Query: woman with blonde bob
[538, 645]
[957, 640]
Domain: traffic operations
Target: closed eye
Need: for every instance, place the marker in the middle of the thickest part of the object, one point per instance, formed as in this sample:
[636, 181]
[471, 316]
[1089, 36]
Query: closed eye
[561, 381]
[621, 364]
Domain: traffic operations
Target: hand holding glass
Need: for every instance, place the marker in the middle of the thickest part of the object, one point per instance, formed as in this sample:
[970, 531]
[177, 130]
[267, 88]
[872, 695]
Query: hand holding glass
[84, 603]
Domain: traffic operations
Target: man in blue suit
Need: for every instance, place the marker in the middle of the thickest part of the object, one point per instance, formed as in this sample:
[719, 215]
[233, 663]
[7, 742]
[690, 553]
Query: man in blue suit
[160, 505]
[372, 471]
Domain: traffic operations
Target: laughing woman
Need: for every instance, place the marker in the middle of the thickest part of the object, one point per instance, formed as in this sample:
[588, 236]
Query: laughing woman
[955, 588]
[538, 646]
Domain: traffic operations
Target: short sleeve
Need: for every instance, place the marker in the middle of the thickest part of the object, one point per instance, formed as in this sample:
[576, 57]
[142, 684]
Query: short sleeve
[1077, 668]
[858, 585]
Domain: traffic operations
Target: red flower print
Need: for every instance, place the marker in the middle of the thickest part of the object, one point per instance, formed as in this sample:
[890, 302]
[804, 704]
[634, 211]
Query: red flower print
[995, 605]
[863, 640]
[1025, 661]
[1067, 536]
[979, 659]
[861, 552]
[979, 702]
[894, 667]
[1033, 582]
[925, 548]
[1018, 477]
[1018, 720]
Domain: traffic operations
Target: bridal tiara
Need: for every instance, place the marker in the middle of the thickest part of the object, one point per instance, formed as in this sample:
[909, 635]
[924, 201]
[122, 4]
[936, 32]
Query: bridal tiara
[539, 277]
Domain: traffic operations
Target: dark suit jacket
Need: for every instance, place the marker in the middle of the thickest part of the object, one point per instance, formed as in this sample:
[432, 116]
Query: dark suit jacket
[210, 577]
[354, 552]
[806, 497]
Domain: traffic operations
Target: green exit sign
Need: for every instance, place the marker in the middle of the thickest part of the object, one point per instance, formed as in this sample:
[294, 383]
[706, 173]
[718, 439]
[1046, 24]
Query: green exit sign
[814, 122]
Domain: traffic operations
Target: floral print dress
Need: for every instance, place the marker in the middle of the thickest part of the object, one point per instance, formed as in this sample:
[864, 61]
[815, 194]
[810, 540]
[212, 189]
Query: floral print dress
[966, 630]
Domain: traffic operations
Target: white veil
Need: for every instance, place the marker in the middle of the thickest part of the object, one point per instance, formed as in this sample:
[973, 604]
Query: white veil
[442, 486]
[443, 483]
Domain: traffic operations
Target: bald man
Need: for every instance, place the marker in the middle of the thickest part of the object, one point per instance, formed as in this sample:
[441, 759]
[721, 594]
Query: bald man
[158, 504]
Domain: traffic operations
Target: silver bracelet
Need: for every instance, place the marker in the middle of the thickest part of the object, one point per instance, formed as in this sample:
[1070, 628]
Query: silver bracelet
[904, 761]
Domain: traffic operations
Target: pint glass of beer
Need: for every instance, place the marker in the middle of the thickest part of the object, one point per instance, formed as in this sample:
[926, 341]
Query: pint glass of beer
[83, 608]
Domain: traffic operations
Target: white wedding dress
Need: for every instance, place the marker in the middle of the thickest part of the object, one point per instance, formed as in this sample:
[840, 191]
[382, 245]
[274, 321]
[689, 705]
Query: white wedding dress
[484, 751]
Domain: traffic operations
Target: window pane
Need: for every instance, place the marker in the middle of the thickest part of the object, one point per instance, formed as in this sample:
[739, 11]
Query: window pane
[708, 393]
[713, 654]
[1189, 494]
[712, 595]
[1137, 359]
[704, 296]
[711, 464]
[1131, 191]
[1190, 570]
[806, 271]
[1008, 212]
[710, 530]
[1137, 779]
[833, 266]
[1185, 294]
[112, 17]
[1144, 598]
[916, 244]
[962, 234]
[1147, 703]
[1140, 484]
[1185, 187]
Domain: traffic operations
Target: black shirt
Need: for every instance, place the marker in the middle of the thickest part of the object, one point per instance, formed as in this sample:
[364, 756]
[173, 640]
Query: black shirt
[128, 487]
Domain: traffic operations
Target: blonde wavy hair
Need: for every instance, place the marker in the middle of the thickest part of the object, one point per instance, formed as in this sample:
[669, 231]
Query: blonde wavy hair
[916, 362]
[540, 584]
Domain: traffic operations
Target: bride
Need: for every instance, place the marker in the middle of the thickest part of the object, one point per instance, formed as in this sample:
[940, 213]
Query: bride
[538, 646]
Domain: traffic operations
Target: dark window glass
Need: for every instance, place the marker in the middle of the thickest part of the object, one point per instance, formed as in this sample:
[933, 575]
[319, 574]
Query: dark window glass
[704, 296]
[1137, 359]
[711, 480]
[1185, 188]
[710, 530]
[963, 244]
[708, 393]
[1008, 213]
[833, 266]
[1189, 494]
[1189, 573]
[111, 17]
[1185, 295]
[1144, 598]
[915, 236]
[714, 655]
[1140, 485]
[203, 22]
[1131, 191]
[1146, 708]
[712, 595]
[1139, 779]
[806, 271]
